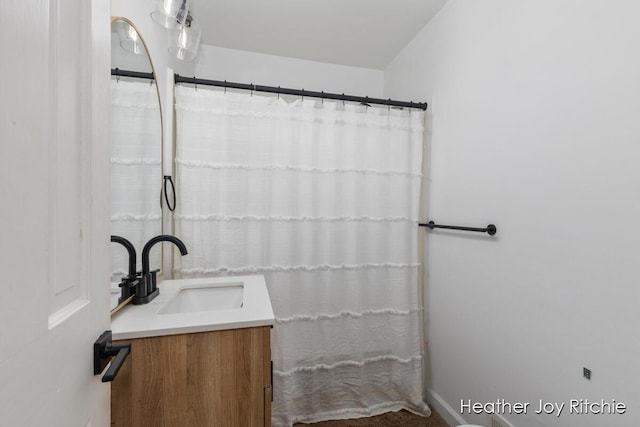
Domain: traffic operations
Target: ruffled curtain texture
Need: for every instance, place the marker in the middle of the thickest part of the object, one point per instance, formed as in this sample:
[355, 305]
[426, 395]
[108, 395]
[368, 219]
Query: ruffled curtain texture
[322, 199]
[136, 171]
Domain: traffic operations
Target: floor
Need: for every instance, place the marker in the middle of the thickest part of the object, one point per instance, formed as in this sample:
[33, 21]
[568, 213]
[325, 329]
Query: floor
[391, 419]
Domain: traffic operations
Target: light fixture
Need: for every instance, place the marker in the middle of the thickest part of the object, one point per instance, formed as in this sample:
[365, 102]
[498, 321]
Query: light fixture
[184, 29]
[129, 38]
[184, 41]
[172, 13]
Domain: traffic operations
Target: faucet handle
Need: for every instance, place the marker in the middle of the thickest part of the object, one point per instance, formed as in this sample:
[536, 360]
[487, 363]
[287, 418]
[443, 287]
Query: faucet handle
[127, 286]
[129, 282]
[153, 281]
[145, 288]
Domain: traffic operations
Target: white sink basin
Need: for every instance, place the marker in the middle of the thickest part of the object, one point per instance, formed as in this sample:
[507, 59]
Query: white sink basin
[191, 299]
[204, 304]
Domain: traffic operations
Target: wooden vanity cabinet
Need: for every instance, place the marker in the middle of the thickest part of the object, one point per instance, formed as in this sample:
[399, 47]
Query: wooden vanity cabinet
[219, 378]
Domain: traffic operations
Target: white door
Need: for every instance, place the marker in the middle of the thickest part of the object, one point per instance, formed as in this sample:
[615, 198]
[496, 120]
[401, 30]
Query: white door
[54, 207]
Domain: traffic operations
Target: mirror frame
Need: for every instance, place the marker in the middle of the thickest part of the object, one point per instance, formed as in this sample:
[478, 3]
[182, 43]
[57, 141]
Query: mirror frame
[162, 136]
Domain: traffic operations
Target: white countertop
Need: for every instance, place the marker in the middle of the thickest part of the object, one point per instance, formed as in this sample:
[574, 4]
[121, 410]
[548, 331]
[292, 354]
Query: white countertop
[140, 321]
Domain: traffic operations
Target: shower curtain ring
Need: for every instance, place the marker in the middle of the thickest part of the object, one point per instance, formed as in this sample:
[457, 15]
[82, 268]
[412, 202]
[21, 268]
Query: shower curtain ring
[278, 93]
[225, 87]
[195, 85]
[322, 99]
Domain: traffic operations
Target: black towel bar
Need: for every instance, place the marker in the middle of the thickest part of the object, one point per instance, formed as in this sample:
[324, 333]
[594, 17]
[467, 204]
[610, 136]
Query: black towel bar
[489, 229]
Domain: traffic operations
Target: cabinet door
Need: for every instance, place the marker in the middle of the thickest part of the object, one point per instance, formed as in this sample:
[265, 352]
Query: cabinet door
[203, 379]
[268, 375]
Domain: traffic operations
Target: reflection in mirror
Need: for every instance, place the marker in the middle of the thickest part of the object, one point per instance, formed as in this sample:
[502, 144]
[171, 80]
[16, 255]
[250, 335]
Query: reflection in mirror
[136, 153]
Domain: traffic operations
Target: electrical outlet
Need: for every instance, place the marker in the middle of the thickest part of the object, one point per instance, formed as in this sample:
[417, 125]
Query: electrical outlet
[586, 372]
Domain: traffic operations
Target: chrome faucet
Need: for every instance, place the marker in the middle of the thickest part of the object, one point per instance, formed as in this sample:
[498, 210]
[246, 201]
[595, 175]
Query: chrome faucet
[147, 289]
[132, 280]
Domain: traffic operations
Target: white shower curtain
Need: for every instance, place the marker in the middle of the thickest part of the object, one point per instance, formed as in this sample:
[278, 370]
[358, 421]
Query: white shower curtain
[322, 199]
[136, 174]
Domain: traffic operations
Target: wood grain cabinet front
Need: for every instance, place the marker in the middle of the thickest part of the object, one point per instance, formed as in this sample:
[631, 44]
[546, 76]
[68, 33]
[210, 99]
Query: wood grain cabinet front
[219, 378]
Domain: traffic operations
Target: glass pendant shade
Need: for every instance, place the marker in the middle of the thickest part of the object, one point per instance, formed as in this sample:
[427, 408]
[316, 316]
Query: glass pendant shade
[171, 14]
[184, 41]
[129, 39]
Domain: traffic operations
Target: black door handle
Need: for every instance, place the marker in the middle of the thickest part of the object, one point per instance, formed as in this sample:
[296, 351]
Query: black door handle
[103, 351]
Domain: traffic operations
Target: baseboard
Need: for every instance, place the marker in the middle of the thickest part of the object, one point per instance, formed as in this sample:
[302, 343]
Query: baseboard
[450, 415]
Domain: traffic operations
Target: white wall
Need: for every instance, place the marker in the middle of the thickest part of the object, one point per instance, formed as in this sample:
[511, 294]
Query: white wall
[218, 63]
[534, 125]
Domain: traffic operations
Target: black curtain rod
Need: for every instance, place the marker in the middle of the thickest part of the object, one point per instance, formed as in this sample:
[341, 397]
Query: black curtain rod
[297, 92]
[272, 89]
[137, 74]
[490, 229]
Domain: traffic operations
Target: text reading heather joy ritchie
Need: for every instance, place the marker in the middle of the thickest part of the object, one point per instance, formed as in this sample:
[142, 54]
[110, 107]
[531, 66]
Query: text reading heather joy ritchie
[572, 406]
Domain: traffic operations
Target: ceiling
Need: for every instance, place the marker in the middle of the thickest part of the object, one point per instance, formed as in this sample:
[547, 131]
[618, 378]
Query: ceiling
[362, 33]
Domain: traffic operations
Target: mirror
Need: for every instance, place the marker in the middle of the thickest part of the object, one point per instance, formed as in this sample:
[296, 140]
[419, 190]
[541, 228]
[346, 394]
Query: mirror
[136, 152]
